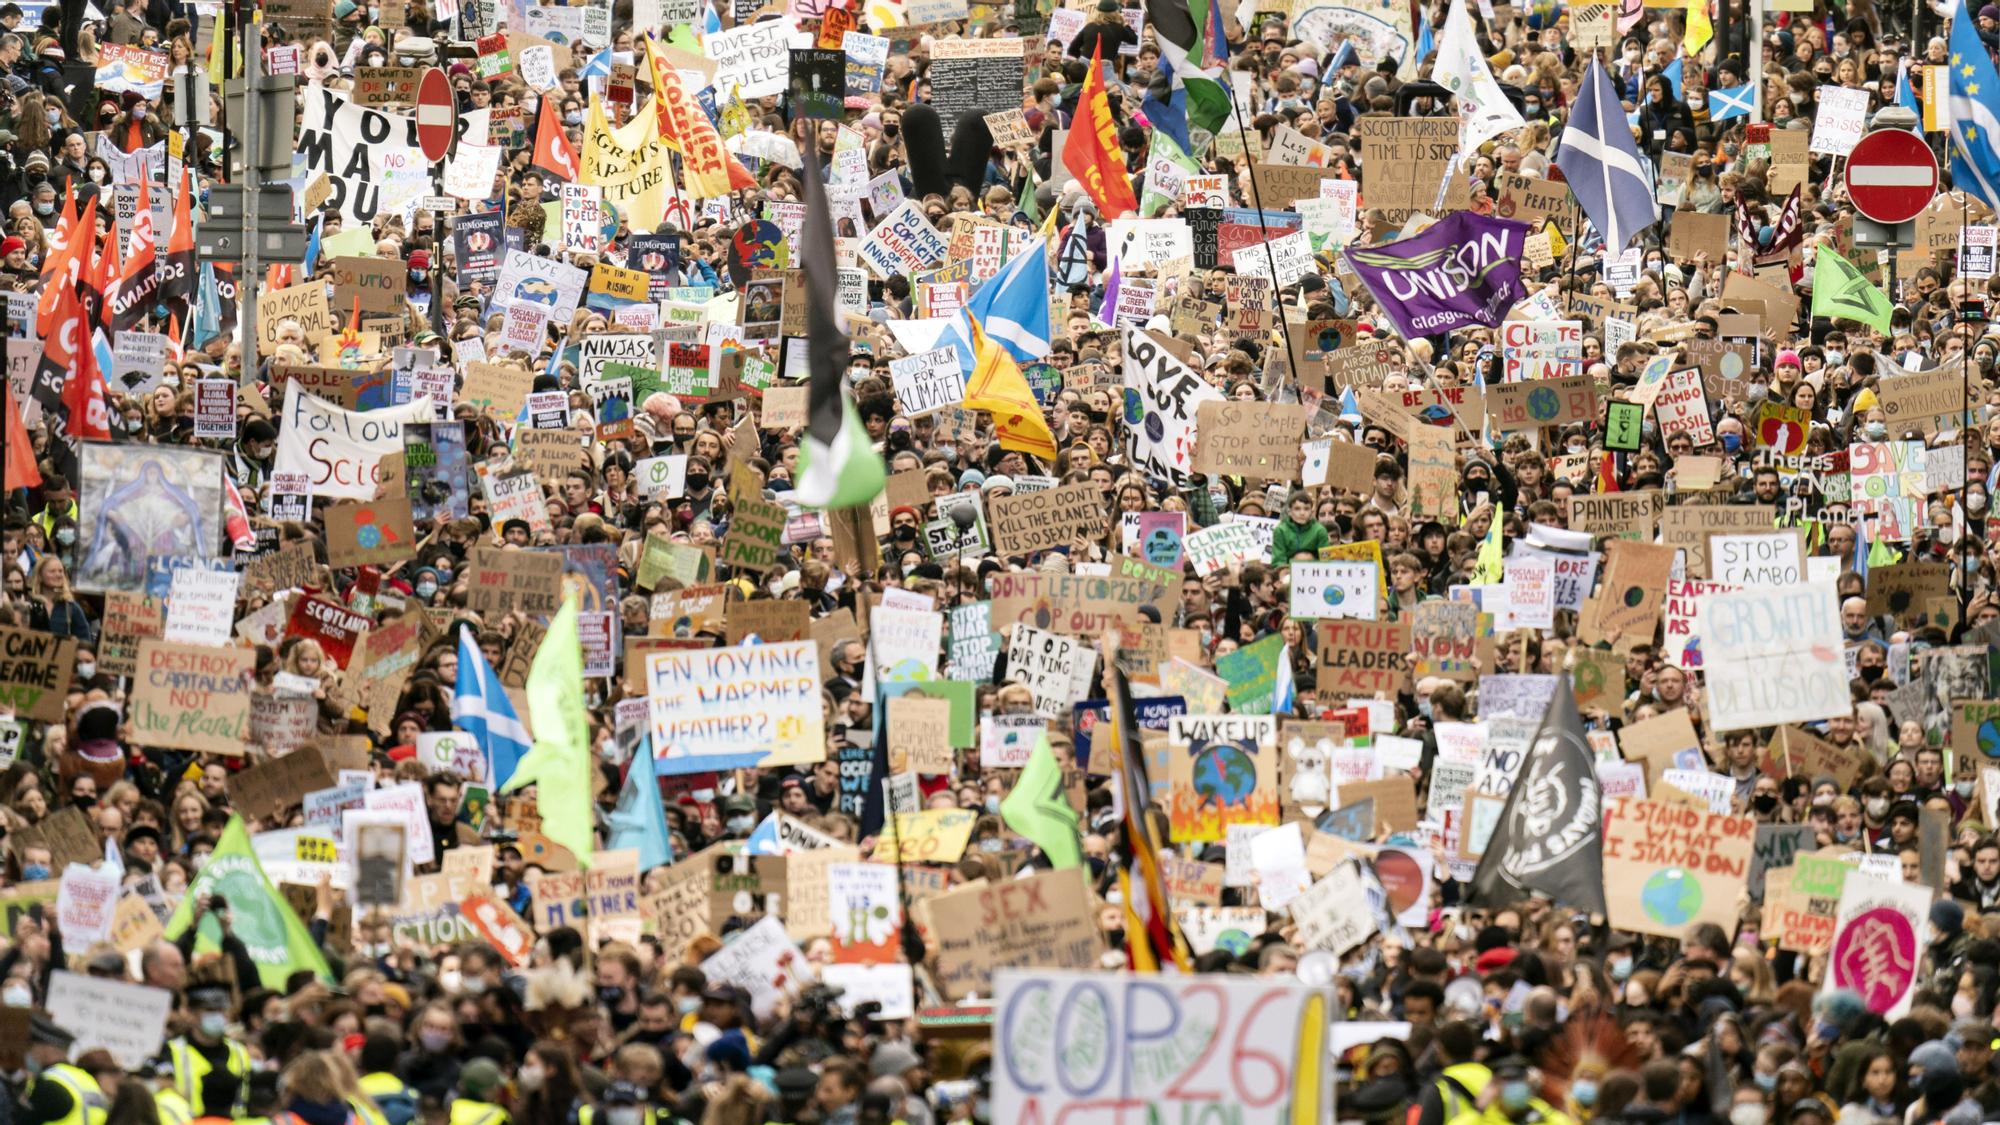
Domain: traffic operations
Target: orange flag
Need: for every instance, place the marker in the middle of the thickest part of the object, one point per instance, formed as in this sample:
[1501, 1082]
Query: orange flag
[21, 470]
[1092, 152]
[711, 170]
[58, 266]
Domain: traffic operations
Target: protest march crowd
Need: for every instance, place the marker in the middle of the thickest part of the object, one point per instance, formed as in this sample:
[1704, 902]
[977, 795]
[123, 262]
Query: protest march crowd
[912, 561]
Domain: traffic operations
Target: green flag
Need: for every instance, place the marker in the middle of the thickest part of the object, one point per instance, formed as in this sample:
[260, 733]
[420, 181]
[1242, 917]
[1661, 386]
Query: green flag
[1163, 151]
[1842, 292]
[278, 942]
[1038, 810]
[559, 765]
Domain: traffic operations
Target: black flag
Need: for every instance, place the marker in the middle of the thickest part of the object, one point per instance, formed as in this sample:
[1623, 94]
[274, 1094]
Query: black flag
[1550, 837]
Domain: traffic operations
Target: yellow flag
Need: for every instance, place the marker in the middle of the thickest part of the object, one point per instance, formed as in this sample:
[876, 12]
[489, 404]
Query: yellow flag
[1699, 29]
[998, 387]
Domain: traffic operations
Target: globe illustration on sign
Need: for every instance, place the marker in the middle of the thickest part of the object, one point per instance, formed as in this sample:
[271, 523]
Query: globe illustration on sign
[1333, 595]
[1989, 738]
[1160, 545]
[1543, 403]
[1672, 897]
[1236, 941]
[1135, 410]
[1224, 773]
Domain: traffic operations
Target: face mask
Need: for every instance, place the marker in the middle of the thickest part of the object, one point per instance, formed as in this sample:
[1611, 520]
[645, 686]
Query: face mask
[86, 671]
[697, 481]
[1731, 442]
[475, 985]
[532, 1078]
[1964, 788]
[97, 175]
[1766, 1081]
[690, 1005]
[1876, 431]
[1748, 1113]
[1532, 108]
[1514, 1096]
[45, 208]
[426, 589]
[991, 844]
[992, 803]
[1424, 707]
[1756, 392]
[1870, 675]
[34, 872]
[1826, 1032]
[66, 536]
[214, 1023]
[420, 276]
[1585, 1092]
[573, 117]
[1620, 968]
[1764, 802]
[624, 1115]
[740, 823]
[1975, 501]
[451, 980]
[434, 1041]
[17, 996]
[55, 117]
[138, 113]
[1878, 807]
[611, 994]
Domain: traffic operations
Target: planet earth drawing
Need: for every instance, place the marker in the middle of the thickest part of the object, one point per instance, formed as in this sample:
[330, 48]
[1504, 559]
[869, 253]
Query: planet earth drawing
[1223, 772]
[1671, 897]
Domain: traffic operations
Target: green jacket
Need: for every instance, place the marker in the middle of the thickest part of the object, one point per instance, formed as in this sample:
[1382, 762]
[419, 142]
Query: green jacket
[1290, 538]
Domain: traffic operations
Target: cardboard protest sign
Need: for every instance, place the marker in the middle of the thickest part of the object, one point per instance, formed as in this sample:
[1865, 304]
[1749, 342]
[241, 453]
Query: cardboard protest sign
[1667, 868]
[35, 671]
[190, 697]
[1223, 771]
[1626, 608]
[1363, 657]
[1025, 523]
[1800, 902]
[369, 532]
[919, 732]
[502, 581]
[1258, 440]
[1046, 920]
[272, 786]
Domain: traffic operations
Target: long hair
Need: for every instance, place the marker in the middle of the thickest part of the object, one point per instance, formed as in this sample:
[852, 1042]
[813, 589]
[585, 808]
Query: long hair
[551, 1104]
[133, 1105]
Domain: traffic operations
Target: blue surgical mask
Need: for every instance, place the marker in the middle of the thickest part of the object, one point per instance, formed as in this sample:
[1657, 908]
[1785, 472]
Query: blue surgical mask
[1514, 1095]
[993, 803]
[34, 872]
[1876, 431]
[1620, 968]
[689, 1005]
[214, 1023]
[1766, 1081]
[1732, 441]
[1584, 1091]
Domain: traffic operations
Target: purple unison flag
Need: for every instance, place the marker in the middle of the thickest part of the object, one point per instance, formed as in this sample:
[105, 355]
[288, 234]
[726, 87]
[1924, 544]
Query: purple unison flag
[1465, 269]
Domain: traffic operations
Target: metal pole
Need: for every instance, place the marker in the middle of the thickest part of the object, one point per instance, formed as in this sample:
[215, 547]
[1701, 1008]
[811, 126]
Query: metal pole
[248, 282]
[1270, 259]
[1755, 56]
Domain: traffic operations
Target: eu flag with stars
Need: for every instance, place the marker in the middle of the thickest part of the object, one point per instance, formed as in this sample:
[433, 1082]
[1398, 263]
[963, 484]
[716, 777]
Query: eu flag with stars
[1975, 111]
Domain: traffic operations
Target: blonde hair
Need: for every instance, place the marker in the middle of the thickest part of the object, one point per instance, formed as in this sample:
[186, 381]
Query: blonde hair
[322, 1076]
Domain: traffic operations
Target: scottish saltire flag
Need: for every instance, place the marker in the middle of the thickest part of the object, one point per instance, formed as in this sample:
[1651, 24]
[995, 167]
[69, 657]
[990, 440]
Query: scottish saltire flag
[1975, 111]
[1673, 74]
[1602, 164]
[1733, 101]
[481, 709]
[599, 66]
[1014, 303]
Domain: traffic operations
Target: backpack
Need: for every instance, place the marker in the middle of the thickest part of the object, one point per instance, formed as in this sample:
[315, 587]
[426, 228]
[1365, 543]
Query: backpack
[399, 1108]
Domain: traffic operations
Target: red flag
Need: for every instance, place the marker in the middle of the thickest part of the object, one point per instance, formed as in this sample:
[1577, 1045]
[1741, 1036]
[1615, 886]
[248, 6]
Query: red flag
[552, 148]
[1092, 152]
[140, 281]
[103, 283]
[177, 272]
[67, 356]
[21, 470]
[60, 270]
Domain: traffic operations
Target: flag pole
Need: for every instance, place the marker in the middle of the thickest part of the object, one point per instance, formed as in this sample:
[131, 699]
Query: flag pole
[1270, 258]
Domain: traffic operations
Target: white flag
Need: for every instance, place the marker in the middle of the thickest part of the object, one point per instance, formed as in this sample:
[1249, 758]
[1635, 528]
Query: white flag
[1483, 109]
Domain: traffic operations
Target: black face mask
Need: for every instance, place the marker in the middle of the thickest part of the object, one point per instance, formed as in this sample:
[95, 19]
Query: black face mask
[696, 482]
[1870, 675]
[1764, 802]
[905, 534]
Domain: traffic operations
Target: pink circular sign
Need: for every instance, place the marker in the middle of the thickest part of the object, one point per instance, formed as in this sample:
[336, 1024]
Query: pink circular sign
[1876, 955]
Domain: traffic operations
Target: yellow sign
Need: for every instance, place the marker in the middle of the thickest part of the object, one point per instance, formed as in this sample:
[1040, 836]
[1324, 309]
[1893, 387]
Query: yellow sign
[930, 836]
[618, 282]
[316, 849]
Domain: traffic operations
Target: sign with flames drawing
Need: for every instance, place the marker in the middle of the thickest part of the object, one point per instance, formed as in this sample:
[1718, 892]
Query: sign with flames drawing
[1878, 942]
[1223, 771]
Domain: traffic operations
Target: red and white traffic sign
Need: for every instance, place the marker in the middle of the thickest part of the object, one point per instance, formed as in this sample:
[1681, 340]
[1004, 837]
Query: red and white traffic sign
[437, 114]
[1891, 176]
